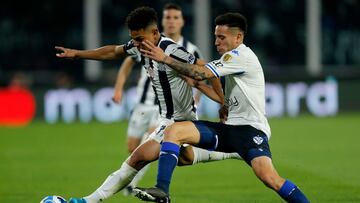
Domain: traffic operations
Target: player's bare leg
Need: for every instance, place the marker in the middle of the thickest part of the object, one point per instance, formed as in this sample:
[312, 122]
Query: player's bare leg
[265, 171]
[142, 155]
[132, 143]
[129, 189]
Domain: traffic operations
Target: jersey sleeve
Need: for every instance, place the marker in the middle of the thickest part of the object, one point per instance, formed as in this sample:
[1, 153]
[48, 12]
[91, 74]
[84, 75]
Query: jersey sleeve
[132, 51]
[180, 53]
[230, 63]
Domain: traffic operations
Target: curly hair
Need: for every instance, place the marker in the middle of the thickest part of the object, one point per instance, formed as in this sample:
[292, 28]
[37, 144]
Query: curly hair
[141, 18]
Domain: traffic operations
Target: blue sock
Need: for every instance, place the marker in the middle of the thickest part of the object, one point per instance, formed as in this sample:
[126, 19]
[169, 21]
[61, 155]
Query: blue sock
[291, 193]
[168, 159]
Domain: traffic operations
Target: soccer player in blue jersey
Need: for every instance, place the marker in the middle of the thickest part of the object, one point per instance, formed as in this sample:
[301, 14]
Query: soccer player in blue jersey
[174, 96]
[245, 129]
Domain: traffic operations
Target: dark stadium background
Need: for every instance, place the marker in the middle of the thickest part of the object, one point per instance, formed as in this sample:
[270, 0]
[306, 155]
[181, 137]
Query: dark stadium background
[40, 156]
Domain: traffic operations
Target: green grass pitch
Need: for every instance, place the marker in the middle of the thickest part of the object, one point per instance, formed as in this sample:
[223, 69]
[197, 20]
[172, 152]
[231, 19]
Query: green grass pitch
[321, 155]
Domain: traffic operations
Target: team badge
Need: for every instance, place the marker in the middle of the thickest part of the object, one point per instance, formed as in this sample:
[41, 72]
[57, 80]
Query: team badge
[258, 140]
[227, 57]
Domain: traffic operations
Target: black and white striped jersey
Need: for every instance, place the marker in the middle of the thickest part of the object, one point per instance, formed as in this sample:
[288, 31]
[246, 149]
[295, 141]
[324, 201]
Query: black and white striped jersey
[144, 90]
[173, 93]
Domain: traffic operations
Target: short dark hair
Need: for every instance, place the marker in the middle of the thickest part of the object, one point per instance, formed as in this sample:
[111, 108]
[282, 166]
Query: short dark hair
[141, 18]
[174, 6]
[232, 20]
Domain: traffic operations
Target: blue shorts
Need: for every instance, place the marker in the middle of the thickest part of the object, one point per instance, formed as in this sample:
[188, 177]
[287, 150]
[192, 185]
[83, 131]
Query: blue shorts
[246, 140]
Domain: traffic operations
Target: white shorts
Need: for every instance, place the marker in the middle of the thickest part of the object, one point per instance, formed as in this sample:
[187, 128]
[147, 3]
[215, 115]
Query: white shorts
[158, 134]
[142, 118]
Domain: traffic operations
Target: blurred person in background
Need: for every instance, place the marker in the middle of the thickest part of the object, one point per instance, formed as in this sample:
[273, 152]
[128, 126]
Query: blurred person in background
[19, 81]
[144, 117]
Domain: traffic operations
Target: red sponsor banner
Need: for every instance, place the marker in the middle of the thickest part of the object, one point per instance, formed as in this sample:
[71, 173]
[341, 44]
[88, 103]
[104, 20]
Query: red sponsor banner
[17, 107]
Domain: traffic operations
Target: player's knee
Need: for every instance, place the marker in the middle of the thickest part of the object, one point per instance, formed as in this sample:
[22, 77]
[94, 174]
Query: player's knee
[186, 156]
[137, 156]
[138, 159]
[172, 133]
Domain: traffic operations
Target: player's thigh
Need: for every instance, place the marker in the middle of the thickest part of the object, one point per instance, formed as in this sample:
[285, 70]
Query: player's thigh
[182, 132]
[154, 120]
[208, 134]
[158, 133]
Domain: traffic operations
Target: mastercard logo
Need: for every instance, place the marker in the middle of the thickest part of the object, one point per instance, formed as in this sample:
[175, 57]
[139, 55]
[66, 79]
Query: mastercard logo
[17, 107]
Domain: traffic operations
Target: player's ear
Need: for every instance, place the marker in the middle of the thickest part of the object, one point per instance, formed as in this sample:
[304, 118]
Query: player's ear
[240, 37]
[155, 32]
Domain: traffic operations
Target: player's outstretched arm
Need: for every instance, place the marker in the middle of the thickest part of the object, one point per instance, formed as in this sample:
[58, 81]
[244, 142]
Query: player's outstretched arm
[124, 72]
[108, 52]
[197, 72]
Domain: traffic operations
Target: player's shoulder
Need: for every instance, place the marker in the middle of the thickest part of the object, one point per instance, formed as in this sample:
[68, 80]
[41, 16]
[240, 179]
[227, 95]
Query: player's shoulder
[165, 42]
[239, 53]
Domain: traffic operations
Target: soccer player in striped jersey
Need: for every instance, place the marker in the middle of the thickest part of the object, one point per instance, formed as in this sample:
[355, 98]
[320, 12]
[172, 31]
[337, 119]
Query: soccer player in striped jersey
[174, 95]
[144, 116]
[245, 129]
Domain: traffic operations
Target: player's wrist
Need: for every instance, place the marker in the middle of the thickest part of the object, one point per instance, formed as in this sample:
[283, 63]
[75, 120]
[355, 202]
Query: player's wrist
[77, 54]
[165, 59]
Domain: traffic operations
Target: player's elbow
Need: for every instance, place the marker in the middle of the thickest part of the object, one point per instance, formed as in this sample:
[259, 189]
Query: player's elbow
[199, 78]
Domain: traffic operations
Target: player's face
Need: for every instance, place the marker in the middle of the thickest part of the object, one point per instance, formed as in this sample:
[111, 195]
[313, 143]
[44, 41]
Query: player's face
[172, 21]
[226, 39]
[139, 36]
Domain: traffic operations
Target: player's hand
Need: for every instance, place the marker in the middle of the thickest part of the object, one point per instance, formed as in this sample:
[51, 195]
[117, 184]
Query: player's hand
[191, 82]
[223, 113]
[117, 97]
[65, 52]
[152, 51]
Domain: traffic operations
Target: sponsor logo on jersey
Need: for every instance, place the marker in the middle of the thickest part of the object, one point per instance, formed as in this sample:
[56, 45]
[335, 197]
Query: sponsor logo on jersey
[258, 140]
[232, 101]
[227, 57]
[235, 52]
